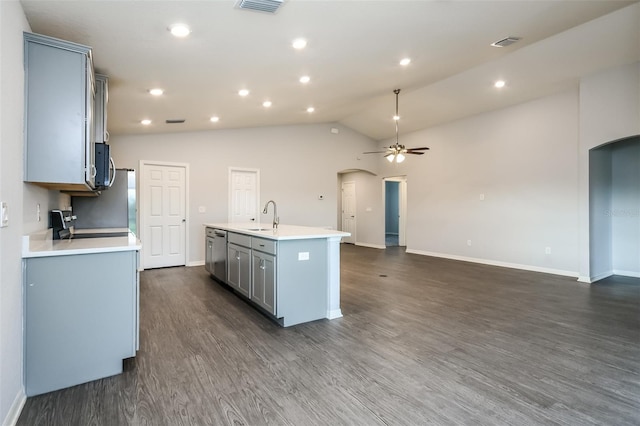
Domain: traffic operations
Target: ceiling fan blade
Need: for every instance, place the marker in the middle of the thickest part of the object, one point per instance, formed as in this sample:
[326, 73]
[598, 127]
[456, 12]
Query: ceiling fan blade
[374, 152]
[417, 149]
[414, 153]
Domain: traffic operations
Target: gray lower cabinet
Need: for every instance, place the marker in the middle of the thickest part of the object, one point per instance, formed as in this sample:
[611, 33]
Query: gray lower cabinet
[59, 102]
[287, 279]
[263, 280]
[81, 318]
[239, 268]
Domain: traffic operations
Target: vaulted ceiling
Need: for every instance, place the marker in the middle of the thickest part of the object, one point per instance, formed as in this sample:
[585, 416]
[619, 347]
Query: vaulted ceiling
[352, 57]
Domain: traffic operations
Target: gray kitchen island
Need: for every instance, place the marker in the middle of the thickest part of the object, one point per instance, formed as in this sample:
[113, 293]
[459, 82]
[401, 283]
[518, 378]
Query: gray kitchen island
[291, 273]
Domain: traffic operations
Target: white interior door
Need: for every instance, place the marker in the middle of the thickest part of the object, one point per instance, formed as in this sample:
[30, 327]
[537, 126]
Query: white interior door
[349, 211]
[163, 215]
[244, 190]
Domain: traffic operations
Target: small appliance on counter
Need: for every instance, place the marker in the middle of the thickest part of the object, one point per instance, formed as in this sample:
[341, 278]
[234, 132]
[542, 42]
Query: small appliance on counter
[62, 222]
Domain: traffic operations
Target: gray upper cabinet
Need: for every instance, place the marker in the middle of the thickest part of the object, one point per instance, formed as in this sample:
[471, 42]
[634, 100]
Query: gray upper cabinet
[100, 109]
[59, 103]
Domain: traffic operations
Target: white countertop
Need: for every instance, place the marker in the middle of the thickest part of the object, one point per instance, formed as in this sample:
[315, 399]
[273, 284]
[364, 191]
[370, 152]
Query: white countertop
[41, 244]
[283, 232]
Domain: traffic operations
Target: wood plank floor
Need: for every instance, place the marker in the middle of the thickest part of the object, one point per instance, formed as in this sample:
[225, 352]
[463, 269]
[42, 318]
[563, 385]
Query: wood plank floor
[422, 341]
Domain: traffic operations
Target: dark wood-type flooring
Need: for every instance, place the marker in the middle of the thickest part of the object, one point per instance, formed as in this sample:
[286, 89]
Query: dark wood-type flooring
[422, 341]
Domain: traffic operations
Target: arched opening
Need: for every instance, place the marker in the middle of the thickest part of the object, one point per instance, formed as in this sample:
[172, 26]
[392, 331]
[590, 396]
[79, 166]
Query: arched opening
[614, 209]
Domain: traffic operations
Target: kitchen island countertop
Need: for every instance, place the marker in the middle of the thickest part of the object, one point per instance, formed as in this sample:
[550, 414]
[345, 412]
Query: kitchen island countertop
[283, 232]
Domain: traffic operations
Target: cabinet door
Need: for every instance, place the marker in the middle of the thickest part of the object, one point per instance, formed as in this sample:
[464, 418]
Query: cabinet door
[264, 281]
[239, 268]
[58, 113]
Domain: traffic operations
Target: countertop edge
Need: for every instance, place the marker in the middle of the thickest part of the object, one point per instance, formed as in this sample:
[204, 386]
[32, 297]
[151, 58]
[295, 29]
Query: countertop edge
[41, 244]
[283, 232]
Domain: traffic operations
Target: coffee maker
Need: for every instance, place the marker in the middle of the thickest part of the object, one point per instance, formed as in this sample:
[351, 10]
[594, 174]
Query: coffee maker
[62, 222]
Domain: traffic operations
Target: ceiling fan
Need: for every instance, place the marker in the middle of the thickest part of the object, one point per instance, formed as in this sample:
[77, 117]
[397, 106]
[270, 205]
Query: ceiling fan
[396, 151]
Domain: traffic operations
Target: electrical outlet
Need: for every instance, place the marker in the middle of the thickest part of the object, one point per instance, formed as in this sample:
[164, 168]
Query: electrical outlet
[547, 250]
[4, 215]
[469, 243]
[481, 197]
[303, 255]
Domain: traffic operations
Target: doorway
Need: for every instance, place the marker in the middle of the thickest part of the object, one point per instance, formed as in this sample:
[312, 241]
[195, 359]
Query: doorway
[395, 208]
[163, 214]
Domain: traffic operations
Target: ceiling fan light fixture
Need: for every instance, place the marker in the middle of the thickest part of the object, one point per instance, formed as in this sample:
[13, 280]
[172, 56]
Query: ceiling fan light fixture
[390, 157]
[399, 158]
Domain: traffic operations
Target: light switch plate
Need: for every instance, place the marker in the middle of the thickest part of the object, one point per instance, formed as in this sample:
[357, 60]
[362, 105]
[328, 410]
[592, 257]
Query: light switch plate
[303, 255]
[4, 215]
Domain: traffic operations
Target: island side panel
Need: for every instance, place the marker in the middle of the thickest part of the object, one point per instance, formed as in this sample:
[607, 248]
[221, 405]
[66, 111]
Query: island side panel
[333, 277]
[302, 280]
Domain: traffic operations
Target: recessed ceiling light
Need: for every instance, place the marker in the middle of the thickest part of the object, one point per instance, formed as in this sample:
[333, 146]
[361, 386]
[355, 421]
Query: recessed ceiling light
[243, 92]
[311, 109]
[214, 119]
[266, 104]
[406, 61]
[499, 84]
[145, 122]
[305, 79]
[179, 30]
[156, 92]
[299, 43]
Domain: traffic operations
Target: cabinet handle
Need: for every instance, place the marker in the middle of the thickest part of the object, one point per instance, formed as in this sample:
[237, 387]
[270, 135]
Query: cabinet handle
[237, 255]
[262, 264]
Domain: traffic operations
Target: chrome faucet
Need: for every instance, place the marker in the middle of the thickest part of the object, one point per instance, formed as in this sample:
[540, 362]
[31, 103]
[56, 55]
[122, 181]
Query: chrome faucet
[276, 219]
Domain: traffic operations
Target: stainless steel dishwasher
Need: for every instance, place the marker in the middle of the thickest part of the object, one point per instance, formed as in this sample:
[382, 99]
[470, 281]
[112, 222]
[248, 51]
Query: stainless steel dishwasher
[219, 255]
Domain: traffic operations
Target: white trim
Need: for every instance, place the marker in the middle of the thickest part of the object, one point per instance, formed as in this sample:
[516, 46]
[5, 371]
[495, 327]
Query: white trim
[497, 263]
[583, 279]
[139, 197]
[16, 408]
[334, 313]
[601, 276]
[632, 274]
[232, 169]
[376, 246]
[195, 263]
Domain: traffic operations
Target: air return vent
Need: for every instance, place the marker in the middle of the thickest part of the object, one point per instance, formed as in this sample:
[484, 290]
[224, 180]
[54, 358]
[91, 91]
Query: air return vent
[175, 121]
[268, 6]
[505, 42]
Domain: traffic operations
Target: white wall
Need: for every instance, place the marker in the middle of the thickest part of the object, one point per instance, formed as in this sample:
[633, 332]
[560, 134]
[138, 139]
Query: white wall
[296, 163]
[523, 159]
[609, 110]
[369, 208]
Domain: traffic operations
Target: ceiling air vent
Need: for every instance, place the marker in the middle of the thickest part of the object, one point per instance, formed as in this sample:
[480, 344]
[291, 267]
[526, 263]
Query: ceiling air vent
[268, 6]
[505, 42]
[175, 121]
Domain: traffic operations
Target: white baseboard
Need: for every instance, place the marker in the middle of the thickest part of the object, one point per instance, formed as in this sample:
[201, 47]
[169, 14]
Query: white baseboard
[16, 408]
[497, 263]
[600, 276]
[375, 246]
[584, 279]
[333, 314]
[632, 274]
[196, 263]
